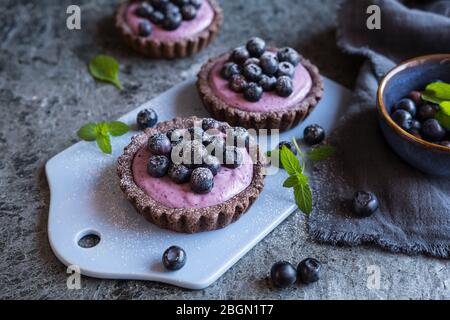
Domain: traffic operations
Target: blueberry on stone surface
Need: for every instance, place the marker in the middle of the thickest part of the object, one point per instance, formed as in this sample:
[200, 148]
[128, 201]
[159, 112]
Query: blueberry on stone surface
[144, 10]
[252, 72]
[283, 274]
[229, 69]
[174, 258]
[290, 55]
[309, 270]
[253, 92]
[179, 173]
[426, 111]
[403, 119]
[269, 63]
[212, 163]
[159, 144]
[210, 124]
[406, 104]
[284, 86]
[146, 118]
[289, 145]
[238, 83]
[158, 166]
[232, 158]
[240, 55]
[145, 28]
[188, 12]
[313, 134]
[268, 83]
[255, 61]
[432, 131]
[256, 47]
[172, 20]
[202, 180]
[196, 3]
[285, 69]
[157, 17]
[365, 204]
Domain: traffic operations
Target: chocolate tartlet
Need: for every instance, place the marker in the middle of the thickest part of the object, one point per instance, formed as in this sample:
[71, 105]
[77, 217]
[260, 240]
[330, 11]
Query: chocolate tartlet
[154, 38]
[266, 105]
[184, 219]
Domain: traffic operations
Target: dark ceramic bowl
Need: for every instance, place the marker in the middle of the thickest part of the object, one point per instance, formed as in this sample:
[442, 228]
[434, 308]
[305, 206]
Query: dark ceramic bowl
[414, 74]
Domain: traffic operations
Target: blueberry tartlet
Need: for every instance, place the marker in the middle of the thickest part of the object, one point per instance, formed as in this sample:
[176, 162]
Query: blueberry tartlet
[169, 28]
[258, 87]
[191, 175]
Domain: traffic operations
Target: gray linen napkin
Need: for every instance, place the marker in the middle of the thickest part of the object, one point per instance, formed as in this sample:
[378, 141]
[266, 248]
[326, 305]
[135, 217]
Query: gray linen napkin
[415, 208]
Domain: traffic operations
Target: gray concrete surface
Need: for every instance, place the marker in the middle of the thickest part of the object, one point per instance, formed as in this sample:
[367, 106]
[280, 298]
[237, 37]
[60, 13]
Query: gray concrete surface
[46, 94]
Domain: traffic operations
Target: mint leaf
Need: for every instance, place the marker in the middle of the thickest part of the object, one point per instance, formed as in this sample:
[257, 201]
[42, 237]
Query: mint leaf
[440, 90]
[104, 143]
[430, 97]
[88, 132]
[443, 119]
[303, 197]
[321, 153]
[291, 182]
[105, 68]
[289, 161]
[117, 128]
[445, 107]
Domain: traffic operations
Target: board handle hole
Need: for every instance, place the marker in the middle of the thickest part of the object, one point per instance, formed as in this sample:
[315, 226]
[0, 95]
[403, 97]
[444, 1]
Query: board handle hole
[88, 239]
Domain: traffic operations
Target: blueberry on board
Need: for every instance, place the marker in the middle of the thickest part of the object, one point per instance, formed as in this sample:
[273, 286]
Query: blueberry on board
[283, 274]
[284, 86]
[212, 163]
[406, 104]
[238, 83]
[157, 166]
[202, 180]
[365, 204]
[290, 55]
[210, 124]
[175, 136]
[144, 10]
[179, 173]
[196, 3]
[285, 69]
[240, 55]
[146, 118]
[256, 47]
[253, 92]
[232, 158]
[268, 83]
[159, 4]
[403, 119]
[159, 144]
[313, 134]
[157, 17]
[426, 111]
[309, 270]
[172, 21]
[174, 258]
[289, 145]
[252, 72]
[229, 69]
[145, 28]
[432, 131]
[188, 12]
[269, 63]
[252, 61]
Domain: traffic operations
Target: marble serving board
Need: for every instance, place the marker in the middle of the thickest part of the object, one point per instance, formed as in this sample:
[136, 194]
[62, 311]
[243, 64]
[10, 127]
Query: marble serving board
[86, 200]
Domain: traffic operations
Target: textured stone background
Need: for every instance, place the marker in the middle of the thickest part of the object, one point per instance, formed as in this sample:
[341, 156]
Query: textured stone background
[46, 94]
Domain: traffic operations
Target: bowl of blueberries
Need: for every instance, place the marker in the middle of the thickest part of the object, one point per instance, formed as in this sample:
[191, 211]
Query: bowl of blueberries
[413, 103]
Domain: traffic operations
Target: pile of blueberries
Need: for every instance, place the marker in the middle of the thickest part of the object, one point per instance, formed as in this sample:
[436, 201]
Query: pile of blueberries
[417, 117]
[252, 70]
[168, 14]
[283, 274]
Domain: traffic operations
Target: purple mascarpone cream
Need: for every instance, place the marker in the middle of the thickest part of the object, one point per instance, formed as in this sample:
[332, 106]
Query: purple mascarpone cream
[270, 101]
[202, 21]
[227, 184]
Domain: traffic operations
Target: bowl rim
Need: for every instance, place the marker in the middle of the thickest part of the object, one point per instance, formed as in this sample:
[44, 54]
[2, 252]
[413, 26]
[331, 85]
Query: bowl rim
[383, 110]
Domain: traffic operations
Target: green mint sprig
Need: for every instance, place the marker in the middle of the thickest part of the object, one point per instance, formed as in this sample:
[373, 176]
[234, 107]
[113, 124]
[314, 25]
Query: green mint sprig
[102, 132]
[105, 68]
[439, 93]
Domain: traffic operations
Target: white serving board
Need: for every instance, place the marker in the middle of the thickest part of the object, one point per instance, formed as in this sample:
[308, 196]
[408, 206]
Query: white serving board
[86, 199]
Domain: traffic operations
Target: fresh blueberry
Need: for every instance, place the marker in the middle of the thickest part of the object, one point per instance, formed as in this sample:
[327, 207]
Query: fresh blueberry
[256, 47]
[426, 111]
[172, 21]
[238, 137]
[159, 4]
[269, 63]
[158, 166]
[145, 28]
[159, 144]
[188, 12]
[233, 157]
[171, 8]
[179, 173]
[240, 55]
[415, 133]
[288, 145]
[255, 61]
[284, 86]
[146, 118]
[189, 153]
[415, 96]
[174, 258]
[403, 119]
[406, 104]
[309, 270]
[211, 163]
[290, 55]
[432, 131]
[175, 136]
[144, 10]
[229, 69]
[268, 83]
[252, 72]
[365, 204]
[202, 180]
[285, 69]
[196, 3]
[253, 92]
[238, 83]
[196, 133]
[415, 125]
[283, 274]
[313, 134]
[445, 144]
[210, 124]
[157, 17]
[215, 145]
